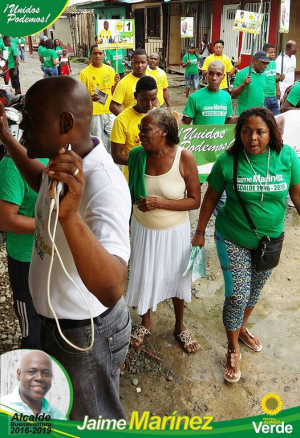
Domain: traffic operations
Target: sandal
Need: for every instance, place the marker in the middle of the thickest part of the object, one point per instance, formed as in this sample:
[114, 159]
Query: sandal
[248, 333]
[138, 334]
[186, 339]
[236, 376]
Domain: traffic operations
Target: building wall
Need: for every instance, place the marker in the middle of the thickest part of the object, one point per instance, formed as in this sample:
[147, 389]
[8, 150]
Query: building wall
[61, 31]
[294, 33]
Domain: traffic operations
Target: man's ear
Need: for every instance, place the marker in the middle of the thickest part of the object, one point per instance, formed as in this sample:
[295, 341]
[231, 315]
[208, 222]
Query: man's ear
[66, 122]
[19, 374]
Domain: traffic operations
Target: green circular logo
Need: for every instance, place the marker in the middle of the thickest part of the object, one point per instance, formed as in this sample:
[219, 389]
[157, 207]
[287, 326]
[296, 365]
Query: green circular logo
[22, 18]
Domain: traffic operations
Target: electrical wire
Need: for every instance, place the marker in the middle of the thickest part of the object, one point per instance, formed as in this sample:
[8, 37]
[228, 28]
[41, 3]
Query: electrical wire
[53, 202]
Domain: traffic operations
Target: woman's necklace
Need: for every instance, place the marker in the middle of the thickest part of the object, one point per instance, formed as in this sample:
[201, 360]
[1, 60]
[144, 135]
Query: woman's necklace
[262, 186]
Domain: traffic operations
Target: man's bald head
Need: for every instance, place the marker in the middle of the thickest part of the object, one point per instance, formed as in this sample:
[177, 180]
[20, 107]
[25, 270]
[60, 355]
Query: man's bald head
[216, 64]
[61, 93]
[57, 112]
[35, 356]
[35, 376]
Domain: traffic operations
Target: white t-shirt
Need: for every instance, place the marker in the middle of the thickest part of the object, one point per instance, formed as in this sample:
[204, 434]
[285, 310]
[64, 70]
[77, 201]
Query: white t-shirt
[105, 208]
[205, 52]
[289, 67]
[290, 134]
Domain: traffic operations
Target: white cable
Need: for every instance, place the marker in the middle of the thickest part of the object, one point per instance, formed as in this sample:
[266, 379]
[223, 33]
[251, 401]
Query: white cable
[57, 191]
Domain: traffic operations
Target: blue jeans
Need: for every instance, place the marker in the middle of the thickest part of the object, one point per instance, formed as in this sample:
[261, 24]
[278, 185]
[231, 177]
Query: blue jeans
[101, 126]
[50, 71]
[94, 374]
[189, 79]
[272, 104]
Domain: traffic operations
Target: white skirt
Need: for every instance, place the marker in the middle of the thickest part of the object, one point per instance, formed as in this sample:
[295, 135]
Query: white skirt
[158, 260]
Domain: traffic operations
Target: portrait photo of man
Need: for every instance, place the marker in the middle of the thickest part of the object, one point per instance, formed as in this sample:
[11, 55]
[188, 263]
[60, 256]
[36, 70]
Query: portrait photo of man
[31, 381]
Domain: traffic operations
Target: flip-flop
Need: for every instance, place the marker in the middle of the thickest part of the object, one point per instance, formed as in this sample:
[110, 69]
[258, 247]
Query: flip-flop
[185, 338]
[139, 334]
[258, 347]
[236, 377]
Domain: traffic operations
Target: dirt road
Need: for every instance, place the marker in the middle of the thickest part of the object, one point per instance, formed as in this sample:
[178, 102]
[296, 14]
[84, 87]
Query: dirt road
[194, 384]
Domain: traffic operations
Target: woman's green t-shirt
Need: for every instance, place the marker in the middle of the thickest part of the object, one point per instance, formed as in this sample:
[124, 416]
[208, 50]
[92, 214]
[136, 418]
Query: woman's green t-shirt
[284, 172]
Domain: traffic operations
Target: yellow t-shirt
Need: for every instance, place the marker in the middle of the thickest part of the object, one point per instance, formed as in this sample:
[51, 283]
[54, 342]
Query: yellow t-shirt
[123, 93]
[105, 33]
[102, 78]
[227, 63]
[161, 79]
[125, 131]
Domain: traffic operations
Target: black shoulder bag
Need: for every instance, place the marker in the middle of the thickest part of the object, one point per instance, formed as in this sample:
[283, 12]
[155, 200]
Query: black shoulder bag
[269, 250]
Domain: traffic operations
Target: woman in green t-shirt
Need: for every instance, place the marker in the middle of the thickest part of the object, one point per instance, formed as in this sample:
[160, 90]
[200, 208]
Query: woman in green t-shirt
[266, 171]
[191, 74]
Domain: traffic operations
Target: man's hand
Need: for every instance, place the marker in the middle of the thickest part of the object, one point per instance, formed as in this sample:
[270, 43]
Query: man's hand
[147, 204]
[95, 97]
[282, 77]
[237, 63]
[4, 128]
[117, 78]
[67, 167]
[15, 72]
[247, 80]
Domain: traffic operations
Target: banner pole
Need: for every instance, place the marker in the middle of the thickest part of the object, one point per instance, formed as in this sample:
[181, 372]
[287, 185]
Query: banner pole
[253, 44]
[117, 60]
[282, 52]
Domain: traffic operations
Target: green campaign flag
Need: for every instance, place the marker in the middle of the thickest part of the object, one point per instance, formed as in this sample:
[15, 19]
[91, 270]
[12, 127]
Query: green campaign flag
[207, 143]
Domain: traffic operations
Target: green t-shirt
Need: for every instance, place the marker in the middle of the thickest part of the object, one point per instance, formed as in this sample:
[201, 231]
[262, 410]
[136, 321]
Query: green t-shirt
[48, 55]
[15, 190]
[2, 46]
[111, 56]
[284, 172]
[58, 50]
[270, 72]
[12, 52]
[208, 108]
[41, 50]
[294, 95]
[256, 94]
[14, 40]
[192, 67]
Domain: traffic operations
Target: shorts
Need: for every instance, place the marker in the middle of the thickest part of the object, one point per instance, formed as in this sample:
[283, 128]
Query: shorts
[64, 70]
[15, 81]
[189, 79]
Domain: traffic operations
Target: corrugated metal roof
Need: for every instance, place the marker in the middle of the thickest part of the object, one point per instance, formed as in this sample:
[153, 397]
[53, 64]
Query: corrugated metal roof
[72, 10]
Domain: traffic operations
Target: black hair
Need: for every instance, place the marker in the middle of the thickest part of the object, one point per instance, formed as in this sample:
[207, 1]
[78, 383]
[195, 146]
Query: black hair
[4, 37]
[268, 46]
[139, 52]
[165, 120]
[146, 83]
[93, 46]
[268, 118]
[49, 44]
[219, 42]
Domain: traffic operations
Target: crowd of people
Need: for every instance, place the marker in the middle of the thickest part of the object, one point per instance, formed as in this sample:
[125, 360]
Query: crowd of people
[109, 119]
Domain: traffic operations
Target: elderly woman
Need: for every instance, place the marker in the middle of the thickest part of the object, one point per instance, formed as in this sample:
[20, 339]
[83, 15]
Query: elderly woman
[164, 185]
[266, 171]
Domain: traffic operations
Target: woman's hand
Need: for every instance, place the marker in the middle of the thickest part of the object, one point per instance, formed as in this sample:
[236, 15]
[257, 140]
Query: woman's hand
[67, 168]
[148, 203]
[198, 241]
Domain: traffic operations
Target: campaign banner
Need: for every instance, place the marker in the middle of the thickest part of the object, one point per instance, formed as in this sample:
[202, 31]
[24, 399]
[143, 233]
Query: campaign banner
[29, 17]
[115, 34]
[207, 143]
[248, 22]
[187, 27]
[285, 7]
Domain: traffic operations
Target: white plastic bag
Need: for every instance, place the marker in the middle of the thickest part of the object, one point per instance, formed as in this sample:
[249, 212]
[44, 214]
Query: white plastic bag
[196, 264]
